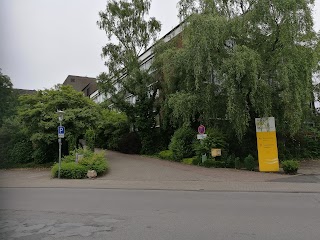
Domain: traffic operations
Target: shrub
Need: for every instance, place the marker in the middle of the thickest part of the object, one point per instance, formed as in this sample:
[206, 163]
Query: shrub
[290, 166]
[90, 137]
[237, 163]
[89, 161]
[196, 161]
[219, 164]
[96, 162]
[130, 143]
[209, 163]
[111, 126]
[21, 152]
[69, 158]
[230, 162]
[214, 139]
[69, 170]
[188, 161]
[181, 143]
[249, 163]
[166, 154]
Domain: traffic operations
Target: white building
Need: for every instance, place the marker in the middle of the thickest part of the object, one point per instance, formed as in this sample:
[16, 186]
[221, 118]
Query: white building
[146, 60]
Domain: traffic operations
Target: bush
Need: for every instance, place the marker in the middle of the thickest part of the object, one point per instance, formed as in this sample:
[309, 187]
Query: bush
[249, 163]
[130, 143]
[166, 154]
[90, 137]
[181, 143]
[189, 161]
[209, 163]
[230, 162]
[21, 152]
[196, 161]
[214, 139]
[96, 162]
[70, 170]
[89, 161]
[237, 163]
[219, 164]
[111, 126]
[290, 166]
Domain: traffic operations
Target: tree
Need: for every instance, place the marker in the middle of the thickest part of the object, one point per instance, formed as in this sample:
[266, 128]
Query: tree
[6, 96]
[241, 60]
[37, 114]
[111, 126]
[129, 33]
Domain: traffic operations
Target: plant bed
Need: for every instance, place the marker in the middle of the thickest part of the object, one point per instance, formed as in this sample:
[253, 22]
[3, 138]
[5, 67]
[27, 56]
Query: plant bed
[290, 167]
[78, 170]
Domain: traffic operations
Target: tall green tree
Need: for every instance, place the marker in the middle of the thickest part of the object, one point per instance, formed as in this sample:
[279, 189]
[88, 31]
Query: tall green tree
[130, 33]
[6, 96]
[37, 114]
[241, 60]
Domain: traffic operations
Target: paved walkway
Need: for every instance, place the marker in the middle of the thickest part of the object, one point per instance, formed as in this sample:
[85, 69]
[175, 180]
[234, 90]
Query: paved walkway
[138, 172]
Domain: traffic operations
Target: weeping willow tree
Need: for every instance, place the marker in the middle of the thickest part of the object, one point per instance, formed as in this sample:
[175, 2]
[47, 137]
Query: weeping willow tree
[242, 59]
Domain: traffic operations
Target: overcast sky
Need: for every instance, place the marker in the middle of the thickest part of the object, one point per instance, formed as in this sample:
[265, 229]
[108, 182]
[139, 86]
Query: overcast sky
[44, 41]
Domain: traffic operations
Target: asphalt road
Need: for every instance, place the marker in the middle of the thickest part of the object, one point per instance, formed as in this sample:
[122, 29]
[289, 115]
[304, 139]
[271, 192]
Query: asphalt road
[58, 213]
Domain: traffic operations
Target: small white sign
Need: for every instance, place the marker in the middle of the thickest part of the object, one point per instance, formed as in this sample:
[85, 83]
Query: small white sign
[201, 136]
[265, 124]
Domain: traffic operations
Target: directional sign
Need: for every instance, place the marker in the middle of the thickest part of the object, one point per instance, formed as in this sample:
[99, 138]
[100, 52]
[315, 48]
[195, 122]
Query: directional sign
[61, 131]
[201, 136]
[267, 144]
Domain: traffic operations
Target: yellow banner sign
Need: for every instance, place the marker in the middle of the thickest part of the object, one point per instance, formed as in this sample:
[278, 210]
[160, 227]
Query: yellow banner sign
[267, 145]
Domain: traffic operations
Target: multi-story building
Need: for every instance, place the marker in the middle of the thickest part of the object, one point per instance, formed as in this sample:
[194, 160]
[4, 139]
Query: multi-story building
[86, 85]
[146, 59]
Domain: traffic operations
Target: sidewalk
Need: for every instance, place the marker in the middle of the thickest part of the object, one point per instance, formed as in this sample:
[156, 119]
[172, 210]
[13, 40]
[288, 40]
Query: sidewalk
[137, 172]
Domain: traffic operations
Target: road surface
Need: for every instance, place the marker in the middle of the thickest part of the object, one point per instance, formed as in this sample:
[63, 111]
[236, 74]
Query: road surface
[61, 213]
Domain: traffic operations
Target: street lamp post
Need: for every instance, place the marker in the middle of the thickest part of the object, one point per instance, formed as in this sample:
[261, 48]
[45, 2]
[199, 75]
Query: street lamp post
[60, 115]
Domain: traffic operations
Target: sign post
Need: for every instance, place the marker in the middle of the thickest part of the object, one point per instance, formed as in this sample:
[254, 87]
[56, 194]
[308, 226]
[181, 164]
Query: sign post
[61, 131]
[201, 136]
[267, 145]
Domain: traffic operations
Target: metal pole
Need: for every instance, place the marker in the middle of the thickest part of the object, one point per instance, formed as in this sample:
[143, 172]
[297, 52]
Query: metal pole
[60, 143]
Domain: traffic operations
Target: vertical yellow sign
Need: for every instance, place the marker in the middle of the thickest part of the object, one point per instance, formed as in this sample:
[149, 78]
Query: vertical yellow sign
[267, 145]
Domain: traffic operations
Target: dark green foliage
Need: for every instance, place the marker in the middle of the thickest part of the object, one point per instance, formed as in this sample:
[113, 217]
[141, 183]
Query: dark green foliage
[130, 143]
[70, 170]
[182, 142]
[249, 163]
[15, 146]
[290, 166]
[215, 139]
[6, 96]
[240, 60]
[230, 162]
[130, 31]
[40, 121]
[304, 145]
[21, 152]
[166, 154]
[90, 138]
[214, 163]
[111, 126]
[209, 163]
[196, 161]
[219, 164]
[237, 163]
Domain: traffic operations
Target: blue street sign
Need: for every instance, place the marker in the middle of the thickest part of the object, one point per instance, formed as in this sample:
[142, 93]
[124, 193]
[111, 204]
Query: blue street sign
[61, 131]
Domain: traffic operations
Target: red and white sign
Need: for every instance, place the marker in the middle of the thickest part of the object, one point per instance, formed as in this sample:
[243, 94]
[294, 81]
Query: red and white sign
[201, 129]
